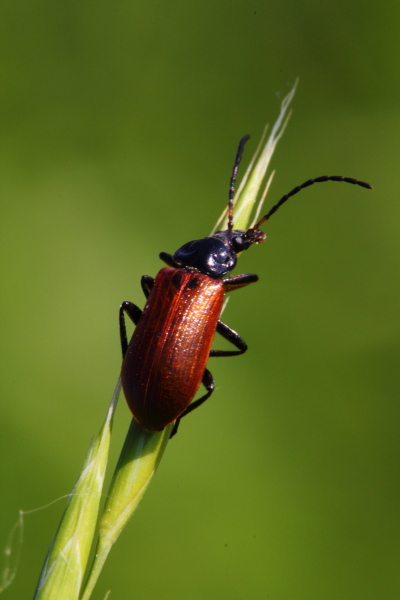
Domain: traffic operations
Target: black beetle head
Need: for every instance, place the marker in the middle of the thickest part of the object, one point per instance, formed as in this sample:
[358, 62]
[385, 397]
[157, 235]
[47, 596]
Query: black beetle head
[216, 255]
[209, 255]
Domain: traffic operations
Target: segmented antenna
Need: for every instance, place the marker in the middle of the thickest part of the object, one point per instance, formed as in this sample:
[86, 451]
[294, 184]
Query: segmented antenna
[233, 180]
[306, 184]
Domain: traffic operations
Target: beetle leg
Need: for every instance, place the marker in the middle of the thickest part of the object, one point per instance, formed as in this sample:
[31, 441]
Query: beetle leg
[238, 281]
[147, 283]
[133, 313]
[208, 382]
[231, 284]
[233, 337]
[169, 259]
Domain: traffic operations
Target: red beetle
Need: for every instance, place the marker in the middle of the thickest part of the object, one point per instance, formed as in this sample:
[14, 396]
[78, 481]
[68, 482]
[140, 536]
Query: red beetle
[165, 361]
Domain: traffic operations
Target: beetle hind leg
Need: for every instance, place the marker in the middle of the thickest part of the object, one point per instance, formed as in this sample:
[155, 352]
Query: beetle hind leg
[208, 382]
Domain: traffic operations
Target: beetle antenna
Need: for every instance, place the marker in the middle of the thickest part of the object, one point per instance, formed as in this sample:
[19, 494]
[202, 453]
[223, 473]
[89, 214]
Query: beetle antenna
[233, 180]
[306, 184]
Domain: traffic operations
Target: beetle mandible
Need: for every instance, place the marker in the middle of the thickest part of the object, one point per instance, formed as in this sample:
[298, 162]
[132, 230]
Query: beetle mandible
[165, 361]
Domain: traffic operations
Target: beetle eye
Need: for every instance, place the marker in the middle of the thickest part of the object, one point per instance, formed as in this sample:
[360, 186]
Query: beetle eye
[237, 243]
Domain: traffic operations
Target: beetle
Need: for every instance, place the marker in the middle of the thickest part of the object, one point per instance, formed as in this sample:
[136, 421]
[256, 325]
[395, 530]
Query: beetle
[165, 360]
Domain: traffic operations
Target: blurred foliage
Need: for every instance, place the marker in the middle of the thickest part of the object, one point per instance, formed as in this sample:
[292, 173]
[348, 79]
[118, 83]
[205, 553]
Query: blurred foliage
[120, 123]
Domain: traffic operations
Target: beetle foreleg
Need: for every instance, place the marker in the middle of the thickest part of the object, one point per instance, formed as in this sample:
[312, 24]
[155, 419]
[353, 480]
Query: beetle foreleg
[232, 336]
[208, 382]
[147, 283]
[238, 281]
[134, 313]
[169, 259]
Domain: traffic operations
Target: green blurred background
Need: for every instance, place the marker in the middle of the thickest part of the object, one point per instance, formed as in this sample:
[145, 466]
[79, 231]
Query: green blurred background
[120, 122]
